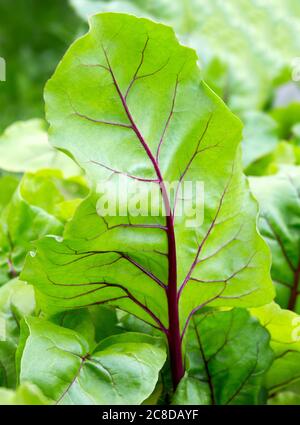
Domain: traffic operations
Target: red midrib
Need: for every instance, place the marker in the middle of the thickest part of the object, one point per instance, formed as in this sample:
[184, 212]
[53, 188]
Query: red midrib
[173, 333]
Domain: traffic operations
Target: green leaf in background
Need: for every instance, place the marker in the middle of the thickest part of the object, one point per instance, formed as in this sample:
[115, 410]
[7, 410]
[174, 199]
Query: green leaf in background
[285, 398]
[283, 378]
[131, 92]
[25, 394]
[24, 147]
[279, 223]
[215, 74]
[296, 133]
[7, 363]
[78, 320]
[239, 33]
[229, 355]
[58, 196]
[285, 153]
[106, 322]
[287, 118]
[272, 140]
[121, 370]
[20, 224]
[41, 204]
[259, 136]
[16, 300]
[8, 185]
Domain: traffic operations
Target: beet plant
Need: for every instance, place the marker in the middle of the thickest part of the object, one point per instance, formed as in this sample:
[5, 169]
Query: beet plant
[127, 102]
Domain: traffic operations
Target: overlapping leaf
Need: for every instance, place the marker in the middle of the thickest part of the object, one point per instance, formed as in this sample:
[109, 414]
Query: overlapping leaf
[283, 378]
[121, 370]
[8, 185]
[279, 223]
[39, 206]
[16, 300]
[229, 355]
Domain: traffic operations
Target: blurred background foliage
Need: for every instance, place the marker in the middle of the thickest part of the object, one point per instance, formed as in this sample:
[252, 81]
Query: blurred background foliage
[34, 35]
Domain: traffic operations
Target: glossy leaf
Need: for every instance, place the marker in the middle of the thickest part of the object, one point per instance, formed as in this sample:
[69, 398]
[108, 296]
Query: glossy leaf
[228, 356]
[279, 223]
[121, 370]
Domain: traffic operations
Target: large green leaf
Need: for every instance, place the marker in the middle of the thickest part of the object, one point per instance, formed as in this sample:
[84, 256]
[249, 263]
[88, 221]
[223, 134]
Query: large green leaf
[24, 147]
[240, 33]
[121, 370]
[228, 356]
[283, 378]
[127, 101]
[123, 260]
[279, 223]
